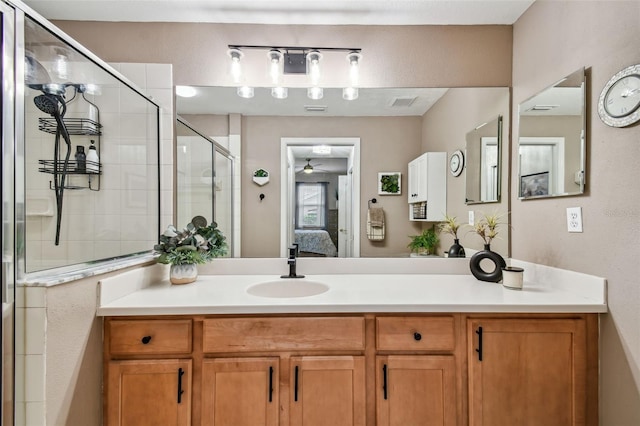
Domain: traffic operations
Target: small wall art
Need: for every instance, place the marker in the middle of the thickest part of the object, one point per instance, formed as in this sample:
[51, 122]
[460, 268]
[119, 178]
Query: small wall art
[389, 183]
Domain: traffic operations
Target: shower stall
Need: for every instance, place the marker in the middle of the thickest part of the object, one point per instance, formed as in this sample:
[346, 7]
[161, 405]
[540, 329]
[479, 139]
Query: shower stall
[80, 183]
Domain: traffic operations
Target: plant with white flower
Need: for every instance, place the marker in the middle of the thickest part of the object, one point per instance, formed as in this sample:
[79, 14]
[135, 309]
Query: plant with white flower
[197, 243]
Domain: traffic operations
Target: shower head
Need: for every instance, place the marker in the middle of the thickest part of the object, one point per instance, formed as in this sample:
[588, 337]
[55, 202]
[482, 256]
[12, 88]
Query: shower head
[47, 104]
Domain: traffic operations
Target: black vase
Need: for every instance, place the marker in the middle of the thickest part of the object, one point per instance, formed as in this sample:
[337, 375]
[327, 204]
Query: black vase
[456, 250]
[493, 276]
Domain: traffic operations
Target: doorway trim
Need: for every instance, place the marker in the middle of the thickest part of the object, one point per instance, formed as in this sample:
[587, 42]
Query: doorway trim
[287, 169]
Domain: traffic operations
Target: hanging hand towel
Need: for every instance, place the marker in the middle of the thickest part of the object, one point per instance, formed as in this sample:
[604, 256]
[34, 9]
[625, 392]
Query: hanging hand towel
[375, 224]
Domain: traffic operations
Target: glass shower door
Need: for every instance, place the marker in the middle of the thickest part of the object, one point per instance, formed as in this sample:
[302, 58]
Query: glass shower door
[8, 218]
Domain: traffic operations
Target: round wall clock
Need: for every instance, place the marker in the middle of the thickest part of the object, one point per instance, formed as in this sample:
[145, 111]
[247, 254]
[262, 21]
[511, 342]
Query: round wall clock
[456, 163]
[619, 102]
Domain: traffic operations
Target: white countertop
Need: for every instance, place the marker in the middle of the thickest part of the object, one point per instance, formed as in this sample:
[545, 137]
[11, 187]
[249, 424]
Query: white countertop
[393, 292]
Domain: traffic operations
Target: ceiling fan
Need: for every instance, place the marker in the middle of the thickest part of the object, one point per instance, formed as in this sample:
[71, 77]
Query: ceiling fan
[309, 168]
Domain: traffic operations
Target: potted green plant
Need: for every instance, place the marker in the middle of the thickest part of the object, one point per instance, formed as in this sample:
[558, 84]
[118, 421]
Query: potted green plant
[196, 244]
[451, 226]
[425, 243]
[261, 177]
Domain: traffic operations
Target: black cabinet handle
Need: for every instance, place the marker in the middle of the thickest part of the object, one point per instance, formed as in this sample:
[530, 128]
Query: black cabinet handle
[180, 391]
[417, 336]
[384, 381]
[145, 340]
[479, 350]
[295, 385]
[270, 384]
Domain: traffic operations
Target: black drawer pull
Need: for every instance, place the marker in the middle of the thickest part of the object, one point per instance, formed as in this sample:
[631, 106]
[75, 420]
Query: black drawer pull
[270, 384]
[384, 381]
[180, 391]
[417, 336]
[146, 339]
[479, 350]
[295, 386]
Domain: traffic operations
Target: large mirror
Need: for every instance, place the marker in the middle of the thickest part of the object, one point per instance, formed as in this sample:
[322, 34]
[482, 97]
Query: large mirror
[393, 126]
[551, 142]
[483, 165]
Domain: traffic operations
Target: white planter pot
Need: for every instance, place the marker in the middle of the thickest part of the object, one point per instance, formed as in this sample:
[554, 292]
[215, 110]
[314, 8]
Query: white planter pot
[183, 274]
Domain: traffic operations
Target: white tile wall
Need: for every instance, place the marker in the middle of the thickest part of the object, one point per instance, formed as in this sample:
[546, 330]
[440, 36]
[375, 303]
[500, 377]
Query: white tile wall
[93, 222]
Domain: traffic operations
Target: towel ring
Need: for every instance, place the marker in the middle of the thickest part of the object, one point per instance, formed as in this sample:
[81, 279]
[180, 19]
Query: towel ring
[371, 201]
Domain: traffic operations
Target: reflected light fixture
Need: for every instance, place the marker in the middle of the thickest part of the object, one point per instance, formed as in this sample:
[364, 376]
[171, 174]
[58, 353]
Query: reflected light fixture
[185, 91]
[350, 93]
[308, 169]
[321, 149]
[354, 67]
[315, 93]
[279, 92]
[245, 92]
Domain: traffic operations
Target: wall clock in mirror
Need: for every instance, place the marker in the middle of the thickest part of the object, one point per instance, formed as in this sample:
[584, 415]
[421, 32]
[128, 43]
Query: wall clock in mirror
[456, 163]
[619, 102]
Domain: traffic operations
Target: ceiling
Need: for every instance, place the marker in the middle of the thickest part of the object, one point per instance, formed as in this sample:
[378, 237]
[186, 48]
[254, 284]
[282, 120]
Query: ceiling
[307, 12]
[371, 102]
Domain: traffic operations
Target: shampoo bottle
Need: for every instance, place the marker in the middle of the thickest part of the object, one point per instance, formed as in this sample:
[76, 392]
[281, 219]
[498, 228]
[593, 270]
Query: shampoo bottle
[81, 159]
[93, 162]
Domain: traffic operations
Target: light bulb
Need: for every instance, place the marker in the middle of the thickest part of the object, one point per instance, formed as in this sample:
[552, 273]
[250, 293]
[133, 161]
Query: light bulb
[275, 59]
[314, 66]
[245, 92]
[315, 92]
[279, 92]
[354, 68]
[236, 68]
[350, 93]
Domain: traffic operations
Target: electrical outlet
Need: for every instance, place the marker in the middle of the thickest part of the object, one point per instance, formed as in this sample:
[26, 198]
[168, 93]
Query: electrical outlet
[472, 218]
[574, 219]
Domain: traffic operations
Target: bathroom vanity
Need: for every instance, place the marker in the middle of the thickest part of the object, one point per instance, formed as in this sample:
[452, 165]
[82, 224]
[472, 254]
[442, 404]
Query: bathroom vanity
[440, 349]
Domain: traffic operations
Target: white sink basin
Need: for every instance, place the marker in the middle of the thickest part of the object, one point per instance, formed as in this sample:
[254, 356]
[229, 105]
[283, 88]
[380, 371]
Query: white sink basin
[288, 287]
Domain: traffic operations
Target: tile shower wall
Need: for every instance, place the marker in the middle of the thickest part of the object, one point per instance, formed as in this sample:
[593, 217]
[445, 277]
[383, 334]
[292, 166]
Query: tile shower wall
[121, 218]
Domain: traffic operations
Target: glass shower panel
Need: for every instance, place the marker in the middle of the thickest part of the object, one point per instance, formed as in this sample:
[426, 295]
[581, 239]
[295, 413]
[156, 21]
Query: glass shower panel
[195, 175]
[204, 180]
[91, 158]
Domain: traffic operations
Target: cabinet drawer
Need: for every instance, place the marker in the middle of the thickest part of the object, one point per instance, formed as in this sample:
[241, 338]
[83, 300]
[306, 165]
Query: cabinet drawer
[133, 337]
[267, 334]
[415, 333]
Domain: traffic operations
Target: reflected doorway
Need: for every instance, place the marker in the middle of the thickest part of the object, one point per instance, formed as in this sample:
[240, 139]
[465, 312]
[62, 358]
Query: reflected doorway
[319, 193]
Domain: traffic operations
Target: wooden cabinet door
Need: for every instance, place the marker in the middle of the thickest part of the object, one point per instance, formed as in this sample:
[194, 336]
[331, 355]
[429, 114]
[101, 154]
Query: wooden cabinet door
[240, 391]
[415, 390]
[327, 391]
[150, 392]
[528, 372]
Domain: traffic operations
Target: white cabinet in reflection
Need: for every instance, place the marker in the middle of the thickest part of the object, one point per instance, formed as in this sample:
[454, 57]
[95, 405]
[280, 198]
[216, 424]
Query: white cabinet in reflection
[427, 187]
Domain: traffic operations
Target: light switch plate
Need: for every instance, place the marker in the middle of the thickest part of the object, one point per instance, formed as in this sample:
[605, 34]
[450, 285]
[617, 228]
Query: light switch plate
[472, 218]
[574, 219]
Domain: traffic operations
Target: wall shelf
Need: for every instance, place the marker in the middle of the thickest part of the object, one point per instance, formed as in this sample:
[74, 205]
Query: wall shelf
[75, 126]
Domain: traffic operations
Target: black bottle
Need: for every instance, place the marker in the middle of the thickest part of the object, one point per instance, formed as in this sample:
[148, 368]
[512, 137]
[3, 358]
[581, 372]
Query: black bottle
[81, 159]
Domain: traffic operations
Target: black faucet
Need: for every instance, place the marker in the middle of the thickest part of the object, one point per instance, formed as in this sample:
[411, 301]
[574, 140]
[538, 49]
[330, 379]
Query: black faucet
[291, 261]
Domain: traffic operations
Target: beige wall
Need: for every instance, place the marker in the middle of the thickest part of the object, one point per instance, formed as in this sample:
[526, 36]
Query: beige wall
[386, 144]
[393, 56]
[444, 128]
[551, 40]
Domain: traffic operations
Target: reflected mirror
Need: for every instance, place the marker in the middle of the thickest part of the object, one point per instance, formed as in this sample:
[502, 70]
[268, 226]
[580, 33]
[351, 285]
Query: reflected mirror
[551, 143]
[483, 163]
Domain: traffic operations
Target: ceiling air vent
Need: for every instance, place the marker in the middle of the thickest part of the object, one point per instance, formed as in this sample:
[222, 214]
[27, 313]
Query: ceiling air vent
[315, 108]
[403, 101]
